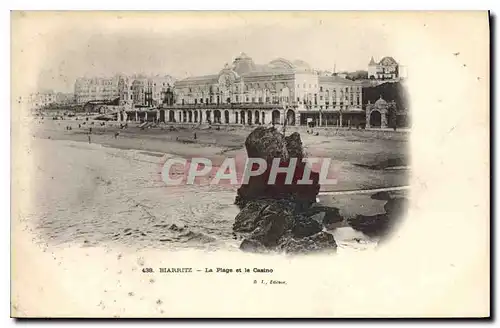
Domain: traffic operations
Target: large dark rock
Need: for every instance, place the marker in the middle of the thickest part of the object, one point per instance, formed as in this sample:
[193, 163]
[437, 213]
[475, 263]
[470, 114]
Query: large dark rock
[294, 146]
[266, 143]
[305, 227]
[320, 242]
[253, 246]
[279, 216]
[329, 217]
[370, 225]
[269, 144]
[249, 217]
[381, 225]
[270, 229]
[396, 208]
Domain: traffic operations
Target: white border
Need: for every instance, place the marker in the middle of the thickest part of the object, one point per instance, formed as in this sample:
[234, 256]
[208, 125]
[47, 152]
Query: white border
[176, 5]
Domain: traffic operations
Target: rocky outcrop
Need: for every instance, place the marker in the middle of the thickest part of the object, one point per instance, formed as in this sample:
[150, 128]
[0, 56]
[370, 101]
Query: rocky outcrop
[280, 225]
[269, 144]
[282, 217]
[381, 225]
[319, 242]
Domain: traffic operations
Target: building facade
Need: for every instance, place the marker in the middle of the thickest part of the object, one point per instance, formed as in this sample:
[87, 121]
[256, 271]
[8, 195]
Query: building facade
[278, 92]
[386, 69]
[132, 91]
[150, 91]
[97, 88]
[38, 100]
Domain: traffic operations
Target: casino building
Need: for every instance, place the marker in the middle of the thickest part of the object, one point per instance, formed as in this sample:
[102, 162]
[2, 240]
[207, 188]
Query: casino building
[246, 93]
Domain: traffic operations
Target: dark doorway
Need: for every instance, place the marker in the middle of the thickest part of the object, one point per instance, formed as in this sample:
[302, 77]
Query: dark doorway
[217, 117]
[276, 117]
[375, 119]
[290, 117]
[242, 117]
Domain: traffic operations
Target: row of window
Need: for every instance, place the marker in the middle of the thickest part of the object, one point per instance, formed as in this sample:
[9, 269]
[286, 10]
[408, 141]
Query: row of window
[237, 99]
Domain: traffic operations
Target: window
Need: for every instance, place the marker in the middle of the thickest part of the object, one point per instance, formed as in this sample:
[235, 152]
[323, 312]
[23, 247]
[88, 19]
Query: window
[298, 86]
[320, 89]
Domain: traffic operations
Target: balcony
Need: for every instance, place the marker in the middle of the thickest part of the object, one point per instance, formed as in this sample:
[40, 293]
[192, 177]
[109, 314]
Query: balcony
[228, 106]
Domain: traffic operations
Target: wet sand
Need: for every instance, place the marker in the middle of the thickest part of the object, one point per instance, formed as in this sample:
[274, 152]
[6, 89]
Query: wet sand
[358, 156]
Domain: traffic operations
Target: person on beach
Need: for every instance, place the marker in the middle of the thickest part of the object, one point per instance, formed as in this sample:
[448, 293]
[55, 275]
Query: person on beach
[117, 134]
[195, 136]
[89, 139]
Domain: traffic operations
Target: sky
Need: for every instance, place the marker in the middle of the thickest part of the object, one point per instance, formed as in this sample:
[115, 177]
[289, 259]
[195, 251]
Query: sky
[57, 48]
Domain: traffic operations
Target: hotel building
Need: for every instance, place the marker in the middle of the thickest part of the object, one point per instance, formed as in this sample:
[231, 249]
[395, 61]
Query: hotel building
[282, 90]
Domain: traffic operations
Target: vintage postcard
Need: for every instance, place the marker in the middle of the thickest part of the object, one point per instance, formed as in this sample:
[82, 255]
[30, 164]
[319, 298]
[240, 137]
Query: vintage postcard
[250, 164]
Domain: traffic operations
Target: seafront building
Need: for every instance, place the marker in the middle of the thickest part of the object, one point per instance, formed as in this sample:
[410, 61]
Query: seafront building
[386, 69]
[132, 91]
[245, 93]
[38, 100]
[96, 88]
[280, 91]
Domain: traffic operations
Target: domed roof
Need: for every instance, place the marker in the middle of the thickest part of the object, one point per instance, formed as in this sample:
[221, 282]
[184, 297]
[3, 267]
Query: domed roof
[281, 63]
[243, 56]
[243, 64]
[386, 61]
[380, 102]
[300, 64]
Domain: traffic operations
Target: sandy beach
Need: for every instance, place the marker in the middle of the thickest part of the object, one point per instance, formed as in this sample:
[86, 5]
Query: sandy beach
[96, 211]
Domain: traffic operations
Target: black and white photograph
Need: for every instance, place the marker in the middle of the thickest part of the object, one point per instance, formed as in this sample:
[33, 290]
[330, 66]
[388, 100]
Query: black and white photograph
[160, 159]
